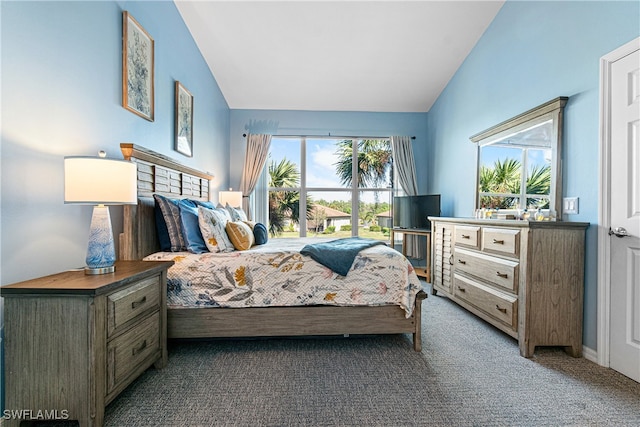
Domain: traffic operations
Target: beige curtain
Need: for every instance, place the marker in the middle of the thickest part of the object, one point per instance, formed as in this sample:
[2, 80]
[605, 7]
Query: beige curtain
[255, 158]
[404, 164]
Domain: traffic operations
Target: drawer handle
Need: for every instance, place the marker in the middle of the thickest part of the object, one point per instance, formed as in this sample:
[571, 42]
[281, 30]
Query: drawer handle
[466, 236]
[503, 275]
[138, 349]
[138, 303]
[498, 242]
[462, 289]
[503, 310]
[461, 261]
[451, 260]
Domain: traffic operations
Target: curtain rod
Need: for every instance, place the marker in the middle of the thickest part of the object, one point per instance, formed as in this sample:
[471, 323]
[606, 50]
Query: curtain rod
[330, 136]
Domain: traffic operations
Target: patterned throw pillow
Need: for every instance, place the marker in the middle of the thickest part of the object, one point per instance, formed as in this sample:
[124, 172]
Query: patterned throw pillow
[240, 235]
[171, 215]
[213, 228]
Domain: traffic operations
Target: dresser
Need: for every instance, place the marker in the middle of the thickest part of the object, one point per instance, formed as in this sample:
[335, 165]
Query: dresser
[524, 277]
[73, 342]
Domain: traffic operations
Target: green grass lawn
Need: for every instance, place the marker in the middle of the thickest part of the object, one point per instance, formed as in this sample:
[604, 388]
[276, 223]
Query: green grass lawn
[362, 232]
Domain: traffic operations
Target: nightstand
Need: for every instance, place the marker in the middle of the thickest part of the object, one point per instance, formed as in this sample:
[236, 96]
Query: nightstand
[73, 342]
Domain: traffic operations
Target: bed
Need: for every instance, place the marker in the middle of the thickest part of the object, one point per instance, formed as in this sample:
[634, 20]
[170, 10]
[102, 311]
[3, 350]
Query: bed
[158, 174]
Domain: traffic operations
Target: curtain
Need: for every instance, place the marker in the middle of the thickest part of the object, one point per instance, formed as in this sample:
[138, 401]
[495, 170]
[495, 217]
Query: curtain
[255, 158]
[404, 164]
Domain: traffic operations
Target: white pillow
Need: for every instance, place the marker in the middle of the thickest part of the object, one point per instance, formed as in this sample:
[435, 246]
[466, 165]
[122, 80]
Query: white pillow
[213, 228]
[237, 214]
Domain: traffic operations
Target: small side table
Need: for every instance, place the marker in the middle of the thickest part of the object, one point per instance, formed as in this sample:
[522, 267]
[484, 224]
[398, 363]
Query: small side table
[420, 272]
[75, 341]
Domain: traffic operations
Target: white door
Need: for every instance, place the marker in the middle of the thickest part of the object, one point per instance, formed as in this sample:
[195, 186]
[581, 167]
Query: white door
[625, 216]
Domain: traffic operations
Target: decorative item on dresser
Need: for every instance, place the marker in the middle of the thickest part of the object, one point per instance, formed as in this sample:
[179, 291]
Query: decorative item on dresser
[74, 342]
[524, 277]
[139, 240]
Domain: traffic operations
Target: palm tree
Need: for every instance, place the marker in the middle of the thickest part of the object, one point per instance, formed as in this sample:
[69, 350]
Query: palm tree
[284, 205]
[539, 182]
[503, 177]
[374, 160]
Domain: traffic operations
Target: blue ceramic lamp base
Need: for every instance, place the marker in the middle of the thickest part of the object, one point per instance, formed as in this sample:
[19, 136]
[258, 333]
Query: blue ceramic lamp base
[101, 253]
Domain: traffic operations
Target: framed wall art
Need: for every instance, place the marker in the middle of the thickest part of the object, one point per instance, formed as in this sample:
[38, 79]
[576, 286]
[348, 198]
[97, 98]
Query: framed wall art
[184, 121]
[137, 68]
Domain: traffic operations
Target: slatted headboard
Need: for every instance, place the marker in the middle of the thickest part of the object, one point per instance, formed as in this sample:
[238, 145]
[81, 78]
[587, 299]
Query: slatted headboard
[157, 174]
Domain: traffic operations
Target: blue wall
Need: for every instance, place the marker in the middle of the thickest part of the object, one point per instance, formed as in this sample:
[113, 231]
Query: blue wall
[283, 122]
[61, 96]
[531, 53]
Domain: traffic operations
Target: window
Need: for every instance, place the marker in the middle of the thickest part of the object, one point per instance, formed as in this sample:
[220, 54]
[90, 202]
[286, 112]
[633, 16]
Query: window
[343, 187]
[502, 183]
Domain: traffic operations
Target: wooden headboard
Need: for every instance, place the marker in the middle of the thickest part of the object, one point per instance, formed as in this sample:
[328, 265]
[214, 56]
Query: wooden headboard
[157, 174]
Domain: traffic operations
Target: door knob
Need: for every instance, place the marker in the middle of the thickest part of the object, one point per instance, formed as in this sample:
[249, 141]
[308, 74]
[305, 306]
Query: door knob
[618, 232]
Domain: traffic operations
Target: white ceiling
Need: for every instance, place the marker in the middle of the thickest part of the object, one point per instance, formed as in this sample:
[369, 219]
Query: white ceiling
[390, 56]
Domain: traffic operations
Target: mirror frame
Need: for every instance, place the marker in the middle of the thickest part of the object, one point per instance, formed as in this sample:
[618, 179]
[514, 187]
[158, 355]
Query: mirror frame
[553, 110]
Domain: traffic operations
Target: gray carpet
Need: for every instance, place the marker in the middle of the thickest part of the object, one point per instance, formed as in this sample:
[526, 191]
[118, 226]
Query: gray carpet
[468, 374]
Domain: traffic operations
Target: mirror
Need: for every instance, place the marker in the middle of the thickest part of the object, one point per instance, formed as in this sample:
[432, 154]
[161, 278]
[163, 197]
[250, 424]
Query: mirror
[520, 161]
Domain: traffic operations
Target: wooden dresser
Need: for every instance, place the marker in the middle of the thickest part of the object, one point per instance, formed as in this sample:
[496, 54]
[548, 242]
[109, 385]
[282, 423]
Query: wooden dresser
[74, 341]
[524, 277]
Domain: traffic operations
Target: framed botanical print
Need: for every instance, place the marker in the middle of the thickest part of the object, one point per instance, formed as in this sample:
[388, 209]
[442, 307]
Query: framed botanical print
[184, 121]
[137, 68]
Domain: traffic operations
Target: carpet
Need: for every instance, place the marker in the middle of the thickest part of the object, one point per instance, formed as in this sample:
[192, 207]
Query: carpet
[468, 374]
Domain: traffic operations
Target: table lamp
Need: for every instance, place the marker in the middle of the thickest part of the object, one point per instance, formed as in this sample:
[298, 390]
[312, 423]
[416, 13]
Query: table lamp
[100, 181]
[231, 198]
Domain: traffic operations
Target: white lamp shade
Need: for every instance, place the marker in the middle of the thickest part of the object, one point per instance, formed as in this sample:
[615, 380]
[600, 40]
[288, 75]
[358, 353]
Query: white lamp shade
[95, 180]
[231, 198]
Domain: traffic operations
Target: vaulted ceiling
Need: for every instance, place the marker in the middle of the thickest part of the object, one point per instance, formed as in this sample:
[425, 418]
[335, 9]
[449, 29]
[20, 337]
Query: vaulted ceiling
[388, 56]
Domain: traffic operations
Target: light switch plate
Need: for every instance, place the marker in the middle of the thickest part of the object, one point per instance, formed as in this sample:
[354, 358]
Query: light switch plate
[570, 205]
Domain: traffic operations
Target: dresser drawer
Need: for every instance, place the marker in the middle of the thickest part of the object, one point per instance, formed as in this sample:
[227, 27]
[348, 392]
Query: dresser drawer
[128, 351]
[131, 302]
[498, 271]
[496, 304]
[467, 235]
[504, 241]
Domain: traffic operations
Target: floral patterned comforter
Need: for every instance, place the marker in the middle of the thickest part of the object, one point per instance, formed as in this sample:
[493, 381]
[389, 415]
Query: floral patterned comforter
[276, 274]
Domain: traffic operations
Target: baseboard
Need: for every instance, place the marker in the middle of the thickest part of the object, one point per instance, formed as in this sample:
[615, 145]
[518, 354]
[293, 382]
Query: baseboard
[590, 354]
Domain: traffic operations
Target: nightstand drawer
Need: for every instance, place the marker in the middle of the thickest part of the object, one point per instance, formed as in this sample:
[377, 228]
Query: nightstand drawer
[127, 352]
[467, 235]
[131, 302]
[500, 306]
[504, 241]
[497, 271]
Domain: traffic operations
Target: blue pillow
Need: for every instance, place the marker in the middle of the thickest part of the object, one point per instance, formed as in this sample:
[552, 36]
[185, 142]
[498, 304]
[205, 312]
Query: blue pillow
[260, 233]
[208, 205]
[191, 228]
[171, 218]
[161, 229]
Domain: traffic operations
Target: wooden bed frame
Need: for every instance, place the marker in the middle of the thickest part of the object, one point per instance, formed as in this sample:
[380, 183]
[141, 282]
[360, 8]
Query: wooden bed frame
[160, 174]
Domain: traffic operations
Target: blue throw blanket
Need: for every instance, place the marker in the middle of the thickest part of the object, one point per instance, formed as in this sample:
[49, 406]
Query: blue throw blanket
[338, 255]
